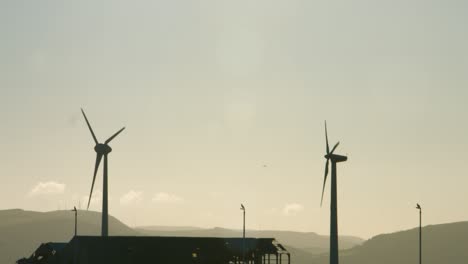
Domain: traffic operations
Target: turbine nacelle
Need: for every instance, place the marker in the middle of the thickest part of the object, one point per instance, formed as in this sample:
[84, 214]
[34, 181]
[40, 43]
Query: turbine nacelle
[103, 149]
[336, 158]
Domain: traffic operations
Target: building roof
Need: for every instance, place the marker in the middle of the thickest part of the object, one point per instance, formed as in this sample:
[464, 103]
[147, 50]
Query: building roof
[131, 249]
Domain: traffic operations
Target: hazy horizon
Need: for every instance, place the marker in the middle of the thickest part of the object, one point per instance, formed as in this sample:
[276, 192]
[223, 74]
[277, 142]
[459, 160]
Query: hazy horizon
[224, 103]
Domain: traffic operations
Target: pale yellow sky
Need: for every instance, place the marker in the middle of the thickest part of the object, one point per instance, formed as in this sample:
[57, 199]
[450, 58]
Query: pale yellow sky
[211, 91]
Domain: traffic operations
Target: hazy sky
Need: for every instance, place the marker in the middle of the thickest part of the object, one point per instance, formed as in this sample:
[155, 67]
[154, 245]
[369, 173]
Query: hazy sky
[211, 91]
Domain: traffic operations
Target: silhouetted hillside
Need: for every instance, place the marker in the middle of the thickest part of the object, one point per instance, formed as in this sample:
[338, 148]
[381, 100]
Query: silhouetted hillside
[21, 232]
[308, 242]
[444, 243]
[169, 228]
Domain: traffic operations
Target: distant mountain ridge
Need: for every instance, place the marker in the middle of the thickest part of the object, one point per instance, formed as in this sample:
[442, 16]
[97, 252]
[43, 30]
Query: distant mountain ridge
[307, 241]
[169, 228]
[21, 232]
[442, 243]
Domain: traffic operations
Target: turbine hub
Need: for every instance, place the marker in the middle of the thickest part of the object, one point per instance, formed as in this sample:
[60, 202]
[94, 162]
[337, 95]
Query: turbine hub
[103, 149]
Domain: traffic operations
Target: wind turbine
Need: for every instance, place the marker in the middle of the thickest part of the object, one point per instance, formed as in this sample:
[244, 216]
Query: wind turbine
[102, 150]
[334, 158]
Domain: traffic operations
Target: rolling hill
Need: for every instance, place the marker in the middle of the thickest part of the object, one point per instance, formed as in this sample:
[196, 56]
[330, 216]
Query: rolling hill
[23, 231]
[306, 241]
[443, 243]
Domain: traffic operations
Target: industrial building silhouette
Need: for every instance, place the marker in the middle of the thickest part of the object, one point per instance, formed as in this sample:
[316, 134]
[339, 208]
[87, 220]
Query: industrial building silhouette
[180, 250]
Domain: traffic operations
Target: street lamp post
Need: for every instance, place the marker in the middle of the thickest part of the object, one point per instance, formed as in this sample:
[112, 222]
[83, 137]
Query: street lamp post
[243, 235]
[420, 232]
[76, 216]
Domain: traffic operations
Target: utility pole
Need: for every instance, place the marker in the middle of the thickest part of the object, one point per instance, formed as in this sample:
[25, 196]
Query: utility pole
[243, 235]
[420, 232]
[76, 221]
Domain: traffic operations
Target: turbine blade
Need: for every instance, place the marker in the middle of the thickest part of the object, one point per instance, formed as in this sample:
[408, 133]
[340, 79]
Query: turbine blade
[98, 161]
[326, 137]
[324, 181]
[90, 129]
[336, 145]
[116, 134]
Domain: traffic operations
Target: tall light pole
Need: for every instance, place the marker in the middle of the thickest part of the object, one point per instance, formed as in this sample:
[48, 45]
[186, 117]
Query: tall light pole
[243, 235]
[420, 232]
[76, 217]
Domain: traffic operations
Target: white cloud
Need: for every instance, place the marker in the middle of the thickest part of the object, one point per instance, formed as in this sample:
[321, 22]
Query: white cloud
[132, 197]
[292, 209]
[50, 187]
[164, 197]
